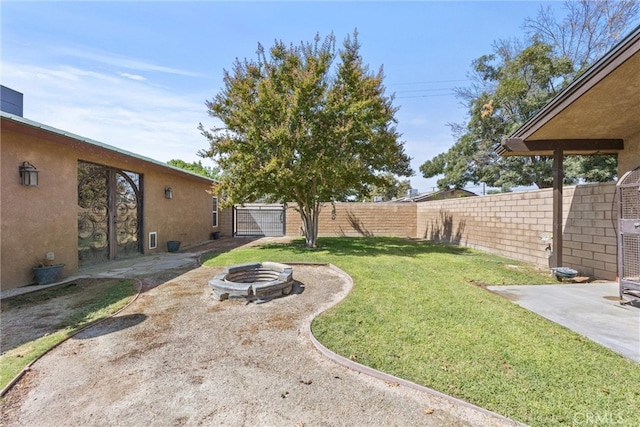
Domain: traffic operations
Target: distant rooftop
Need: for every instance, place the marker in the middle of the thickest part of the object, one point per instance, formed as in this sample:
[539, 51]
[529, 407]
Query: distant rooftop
[11, 101]
[437, 195]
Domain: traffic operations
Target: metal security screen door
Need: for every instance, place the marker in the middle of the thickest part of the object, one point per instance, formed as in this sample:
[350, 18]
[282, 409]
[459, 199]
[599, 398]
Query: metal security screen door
[109, 214]
[629, 235]
[251, 221]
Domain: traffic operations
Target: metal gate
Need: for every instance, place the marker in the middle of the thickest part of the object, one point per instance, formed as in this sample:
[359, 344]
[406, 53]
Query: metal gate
[253, 221]
[628, 190]
[109, 214]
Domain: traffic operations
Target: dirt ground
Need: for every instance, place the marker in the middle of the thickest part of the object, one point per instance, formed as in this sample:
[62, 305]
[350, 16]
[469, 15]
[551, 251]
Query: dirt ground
[178, 357]
[36, 316]
[40, 313]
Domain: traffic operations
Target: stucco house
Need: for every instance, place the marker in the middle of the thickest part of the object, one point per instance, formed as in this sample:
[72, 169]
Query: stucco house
[452, 193]
[80, 202]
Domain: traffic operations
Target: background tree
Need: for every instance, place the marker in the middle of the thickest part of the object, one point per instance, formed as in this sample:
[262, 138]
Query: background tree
[297, 127]
[510, 85]
[197, 168]
[588, 30]
[394, 188]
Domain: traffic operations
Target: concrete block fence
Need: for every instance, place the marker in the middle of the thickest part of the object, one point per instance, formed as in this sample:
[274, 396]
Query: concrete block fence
[511, 225]
[507, 224]
[360, 219]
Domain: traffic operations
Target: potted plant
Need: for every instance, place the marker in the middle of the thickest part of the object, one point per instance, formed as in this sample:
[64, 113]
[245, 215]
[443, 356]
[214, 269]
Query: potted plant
[47, 272]
[173, 245]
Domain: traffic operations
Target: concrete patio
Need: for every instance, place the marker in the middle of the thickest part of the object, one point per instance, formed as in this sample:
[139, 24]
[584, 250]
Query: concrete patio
[590, 309]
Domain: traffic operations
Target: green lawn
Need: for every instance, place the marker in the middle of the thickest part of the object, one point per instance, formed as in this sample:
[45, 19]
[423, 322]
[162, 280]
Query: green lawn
[418, 311]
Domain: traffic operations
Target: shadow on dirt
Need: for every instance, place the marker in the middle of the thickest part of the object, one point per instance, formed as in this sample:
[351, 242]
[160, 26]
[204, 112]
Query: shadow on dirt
[30, 316]
[110, 325]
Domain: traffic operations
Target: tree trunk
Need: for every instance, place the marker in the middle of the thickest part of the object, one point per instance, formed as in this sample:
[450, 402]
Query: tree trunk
[309, 216]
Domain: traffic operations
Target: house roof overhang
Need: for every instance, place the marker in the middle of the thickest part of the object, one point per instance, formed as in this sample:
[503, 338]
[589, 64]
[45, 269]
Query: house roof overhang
[593, 115]
[30, 127]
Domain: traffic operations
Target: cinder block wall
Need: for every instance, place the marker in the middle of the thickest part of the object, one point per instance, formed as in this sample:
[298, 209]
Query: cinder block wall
[360, 219]
[511, 224]
[590, 231]
[508, 224]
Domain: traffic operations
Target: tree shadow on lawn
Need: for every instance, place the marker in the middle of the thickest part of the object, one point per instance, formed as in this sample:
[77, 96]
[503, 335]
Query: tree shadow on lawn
[363, 246]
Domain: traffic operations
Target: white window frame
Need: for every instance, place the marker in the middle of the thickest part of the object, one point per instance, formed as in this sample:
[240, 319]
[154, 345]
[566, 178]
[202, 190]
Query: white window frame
[214, 212]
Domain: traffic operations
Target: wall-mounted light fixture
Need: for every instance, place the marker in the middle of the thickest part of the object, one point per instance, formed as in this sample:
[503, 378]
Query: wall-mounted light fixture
[168, 193]
[28, 174]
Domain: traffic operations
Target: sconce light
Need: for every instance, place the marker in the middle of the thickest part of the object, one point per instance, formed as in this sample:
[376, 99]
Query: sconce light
[28, 174]
[168, 193]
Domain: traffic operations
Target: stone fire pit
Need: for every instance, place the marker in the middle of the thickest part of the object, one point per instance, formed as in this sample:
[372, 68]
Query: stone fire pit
[253, 282]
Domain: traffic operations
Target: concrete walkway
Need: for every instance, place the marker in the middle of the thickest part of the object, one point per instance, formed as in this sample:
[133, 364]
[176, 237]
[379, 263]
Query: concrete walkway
[592, 310]
[143, 265]
[125, 269]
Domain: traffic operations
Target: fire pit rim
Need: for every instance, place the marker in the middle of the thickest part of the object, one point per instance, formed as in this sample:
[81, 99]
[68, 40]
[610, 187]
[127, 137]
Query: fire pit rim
[257, 288]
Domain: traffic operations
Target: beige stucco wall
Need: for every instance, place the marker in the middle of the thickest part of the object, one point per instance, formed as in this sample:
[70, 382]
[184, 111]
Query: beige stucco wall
[37, 220]
[187, 217]
[225, 222]
[629, 158]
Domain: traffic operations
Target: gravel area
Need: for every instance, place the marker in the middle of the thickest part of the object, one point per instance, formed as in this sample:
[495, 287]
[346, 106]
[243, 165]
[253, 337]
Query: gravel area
[176, 357]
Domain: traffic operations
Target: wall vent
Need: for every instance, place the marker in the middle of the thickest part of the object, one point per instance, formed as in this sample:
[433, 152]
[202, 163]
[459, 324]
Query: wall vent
[153, 240]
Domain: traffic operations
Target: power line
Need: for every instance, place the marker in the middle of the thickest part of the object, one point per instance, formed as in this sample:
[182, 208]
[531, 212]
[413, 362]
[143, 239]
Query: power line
[423, 90]
[417, 91]
[426, 82]
[425, 96]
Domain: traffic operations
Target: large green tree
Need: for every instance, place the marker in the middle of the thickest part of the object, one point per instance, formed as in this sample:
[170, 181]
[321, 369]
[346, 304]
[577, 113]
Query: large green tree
[306, 124]
[393, 188]
[517, 84]
[517, 79]
[197, 168]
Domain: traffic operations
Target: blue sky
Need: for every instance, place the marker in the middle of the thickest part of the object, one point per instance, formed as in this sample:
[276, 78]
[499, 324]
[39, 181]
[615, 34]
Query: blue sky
[135, 75]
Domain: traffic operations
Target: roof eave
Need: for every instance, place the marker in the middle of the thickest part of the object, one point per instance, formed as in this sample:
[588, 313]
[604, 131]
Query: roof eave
[58, 132]
[522, 147]
[627, 47]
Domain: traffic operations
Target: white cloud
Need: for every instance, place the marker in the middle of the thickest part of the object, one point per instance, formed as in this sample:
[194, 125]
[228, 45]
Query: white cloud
[120, 110]
[131, 112]
[132, 76]
[120, 61]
